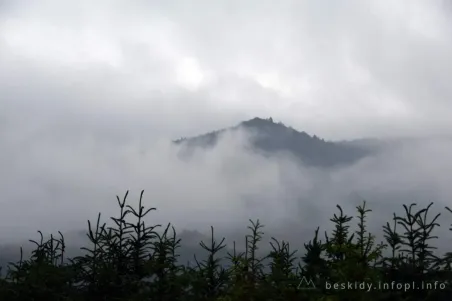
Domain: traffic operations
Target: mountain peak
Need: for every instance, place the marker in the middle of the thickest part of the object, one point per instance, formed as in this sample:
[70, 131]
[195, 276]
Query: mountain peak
[271, 138]
[269, 126]
[258, 120]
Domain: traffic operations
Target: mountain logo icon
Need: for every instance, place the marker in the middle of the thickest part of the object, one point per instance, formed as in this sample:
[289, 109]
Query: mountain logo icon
[306, 284]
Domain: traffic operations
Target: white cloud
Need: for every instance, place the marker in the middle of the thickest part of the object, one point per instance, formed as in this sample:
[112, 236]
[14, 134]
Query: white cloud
[87, 86]
[189, 73]
[378, 64]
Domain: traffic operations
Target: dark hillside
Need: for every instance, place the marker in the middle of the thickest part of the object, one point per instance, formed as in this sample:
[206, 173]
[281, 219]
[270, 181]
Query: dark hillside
[271, 138]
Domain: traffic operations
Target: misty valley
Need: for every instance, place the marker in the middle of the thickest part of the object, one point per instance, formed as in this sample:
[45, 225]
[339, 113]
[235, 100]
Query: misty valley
[264, 241]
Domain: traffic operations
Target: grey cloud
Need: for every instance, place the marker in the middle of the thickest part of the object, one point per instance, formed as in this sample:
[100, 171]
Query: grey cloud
[372, 62]
[90, 94]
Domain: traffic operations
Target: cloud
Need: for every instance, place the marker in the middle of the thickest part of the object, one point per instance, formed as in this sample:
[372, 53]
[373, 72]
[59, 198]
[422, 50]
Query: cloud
[344, 70]
[90, 94]
[57, 186]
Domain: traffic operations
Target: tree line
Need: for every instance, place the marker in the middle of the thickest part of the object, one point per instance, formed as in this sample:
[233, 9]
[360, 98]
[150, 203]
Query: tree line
[131, 260]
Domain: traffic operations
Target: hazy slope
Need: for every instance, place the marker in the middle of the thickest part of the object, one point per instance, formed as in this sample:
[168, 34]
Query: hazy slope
[272, 138]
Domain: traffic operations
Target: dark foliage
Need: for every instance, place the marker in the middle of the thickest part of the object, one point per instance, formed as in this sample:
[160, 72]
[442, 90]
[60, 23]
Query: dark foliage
[133, 261]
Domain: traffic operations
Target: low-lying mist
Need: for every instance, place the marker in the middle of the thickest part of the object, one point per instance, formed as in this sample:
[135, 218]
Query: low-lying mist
[56, 186]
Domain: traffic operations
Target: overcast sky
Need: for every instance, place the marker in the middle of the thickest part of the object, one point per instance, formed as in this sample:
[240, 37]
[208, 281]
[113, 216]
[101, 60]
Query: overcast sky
[339, 69]
[87, 86]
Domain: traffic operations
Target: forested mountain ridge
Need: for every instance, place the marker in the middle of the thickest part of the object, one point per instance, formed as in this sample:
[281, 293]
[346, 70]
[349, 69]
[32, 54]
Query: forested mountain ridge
[270, 138]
